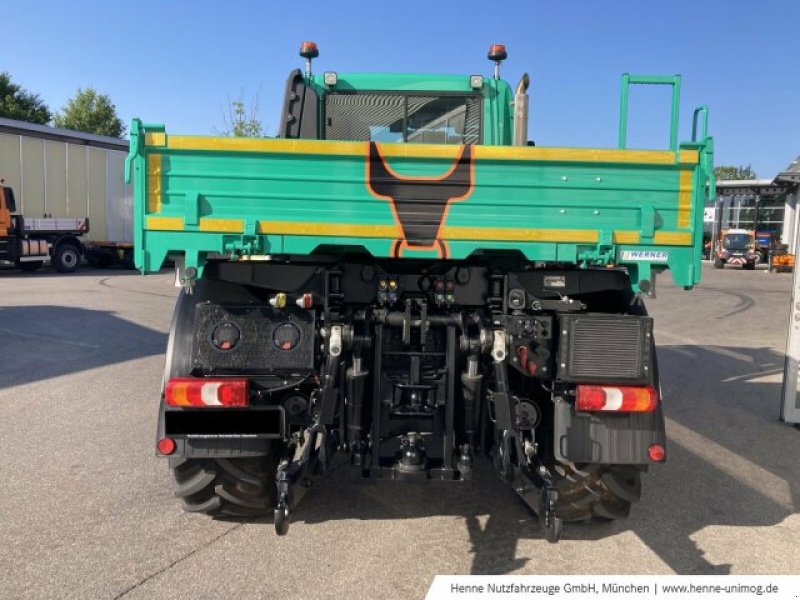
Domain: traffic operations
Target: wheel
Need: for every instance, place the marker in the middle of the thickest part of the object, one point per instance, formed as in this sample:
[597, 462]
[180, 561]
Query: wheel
[719, 263]
[597, 492]
[241, 487]
[66, 258]
[29, 266]
[749, 266]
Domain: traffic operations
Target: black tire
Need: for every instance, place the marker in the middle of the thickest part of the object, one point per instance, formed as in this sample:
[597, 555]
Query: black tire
[597, 492]
[236, 487]
[66, 258]
[29, 266]
[719, 263]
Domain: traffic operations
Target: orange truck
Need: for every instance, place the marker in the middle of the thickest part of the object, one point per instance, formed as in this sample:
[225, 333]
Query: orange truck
[29, 242]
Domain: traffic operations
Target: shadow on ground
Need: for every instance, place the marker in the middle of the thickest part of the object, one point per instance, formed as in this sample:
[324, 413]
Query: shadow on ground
[40, 342]
[46, 272]
[730, 462]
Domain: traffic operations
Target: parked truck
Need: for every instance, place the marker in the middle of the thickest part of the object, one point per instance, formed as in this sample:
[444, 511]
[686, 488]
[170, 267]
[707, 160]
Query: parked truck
[29, 242]
[64, 179]
[736, 247]
[403, 282]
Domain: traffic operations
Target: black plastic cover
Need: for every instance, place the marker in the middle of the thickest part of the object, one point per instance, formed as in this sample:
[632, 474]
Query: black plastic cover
[256, 351]
[300, 114]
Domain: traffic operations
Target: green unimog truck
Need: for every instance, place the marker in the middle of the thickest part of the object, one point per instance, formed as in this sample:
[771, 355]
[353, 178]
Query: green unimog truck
[400, 280]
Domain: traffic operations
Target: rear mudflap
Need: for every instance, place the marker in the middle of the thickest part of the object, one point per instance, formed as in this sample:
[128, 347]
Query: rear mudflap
[607, 438]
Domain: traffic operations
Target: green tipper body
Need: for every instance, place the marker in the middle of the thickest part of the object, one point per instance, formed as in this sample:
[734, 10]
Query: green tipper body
[249, 198]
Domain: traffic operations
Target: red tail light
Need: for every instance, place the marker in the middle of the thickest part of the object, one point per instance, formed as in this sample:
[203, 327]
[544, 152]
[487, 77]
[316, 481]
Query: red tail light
[166, 445]
[616, 398]
[657, 453]
[187, 391]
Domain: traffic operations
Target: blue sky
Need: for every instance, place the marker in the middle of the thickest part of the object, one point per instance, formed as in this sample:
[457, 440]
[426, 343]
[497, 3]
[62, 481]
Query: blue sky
[178, 62]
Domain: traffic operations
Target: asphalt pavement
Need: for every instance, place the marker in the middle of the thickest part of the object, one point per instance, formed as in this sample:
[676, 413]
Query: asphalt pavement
[86, 508]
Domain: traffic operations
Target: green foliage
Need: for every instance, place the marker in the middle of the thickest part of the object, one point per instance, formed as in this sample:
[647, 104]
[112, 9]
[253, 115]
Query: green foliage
[241, 120]
[730, 172]
[91, 112]
[18, 103]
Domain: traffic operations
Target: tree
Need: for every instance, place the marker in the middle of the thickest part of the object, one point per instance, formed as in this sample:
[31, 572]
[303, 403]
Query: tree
[18, 103]
[241, 120]
[730, 172]
[91, 112]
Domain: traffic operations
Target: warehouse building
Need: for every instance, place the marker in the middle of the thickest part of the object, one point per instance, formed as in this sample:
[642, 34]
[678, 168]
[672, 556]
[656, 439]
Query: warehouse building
[62, 173]
[759, 204]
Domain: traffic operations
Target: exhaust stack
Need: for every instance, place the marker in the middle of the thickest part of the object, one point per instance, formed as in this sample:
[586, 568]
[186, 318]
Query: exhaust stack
[521, 111]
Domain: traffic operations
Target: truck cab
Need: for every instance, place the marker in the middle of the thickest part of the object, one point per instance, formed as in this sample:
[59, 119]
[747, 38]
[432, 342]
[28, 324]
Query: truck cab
[403, 107]
[8, 206]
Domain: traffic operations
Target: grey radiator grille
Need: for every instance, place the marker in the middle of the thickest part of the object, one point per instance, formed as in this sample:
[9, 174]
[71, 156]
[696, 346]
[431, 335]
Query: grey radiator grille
[598, 348]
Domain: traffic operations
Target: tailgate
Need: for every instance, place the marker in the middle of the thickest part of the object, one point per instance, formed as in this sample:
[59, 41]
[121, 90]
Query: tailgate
[202, 196]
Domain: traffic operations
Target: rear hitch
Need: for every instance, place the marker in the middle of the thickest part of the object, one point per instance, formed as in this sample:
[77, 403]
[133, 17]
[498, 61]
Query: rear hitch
[551, 524]
[543, 479]
[301, 467]
[533, 482]
[282, 510]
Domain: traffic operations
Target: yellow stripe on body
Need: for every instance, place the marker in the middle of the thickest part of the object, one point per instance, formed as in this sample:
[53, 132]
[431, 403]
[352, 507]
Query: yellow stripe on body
[157, 138]
[330, 229]
[689, 157]
[590, 155]
[154, 183]
[504, 234]
[279, 227]
[626, 237]
[672, 238]
[206, 224]
[164, 223]
[685, 198]
[221, 225]
[509, 234]
[234, 144]
[450, 152]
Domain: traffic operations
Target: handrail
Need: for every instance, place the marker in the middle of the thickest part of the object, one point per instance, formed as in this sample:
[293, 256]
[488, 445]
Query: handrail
[702, 109]
[627, 81]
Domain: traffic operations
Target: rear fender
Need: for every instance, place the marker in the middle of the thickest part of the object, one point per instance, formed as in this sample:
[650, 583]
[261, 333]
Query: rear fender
[607, 438]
